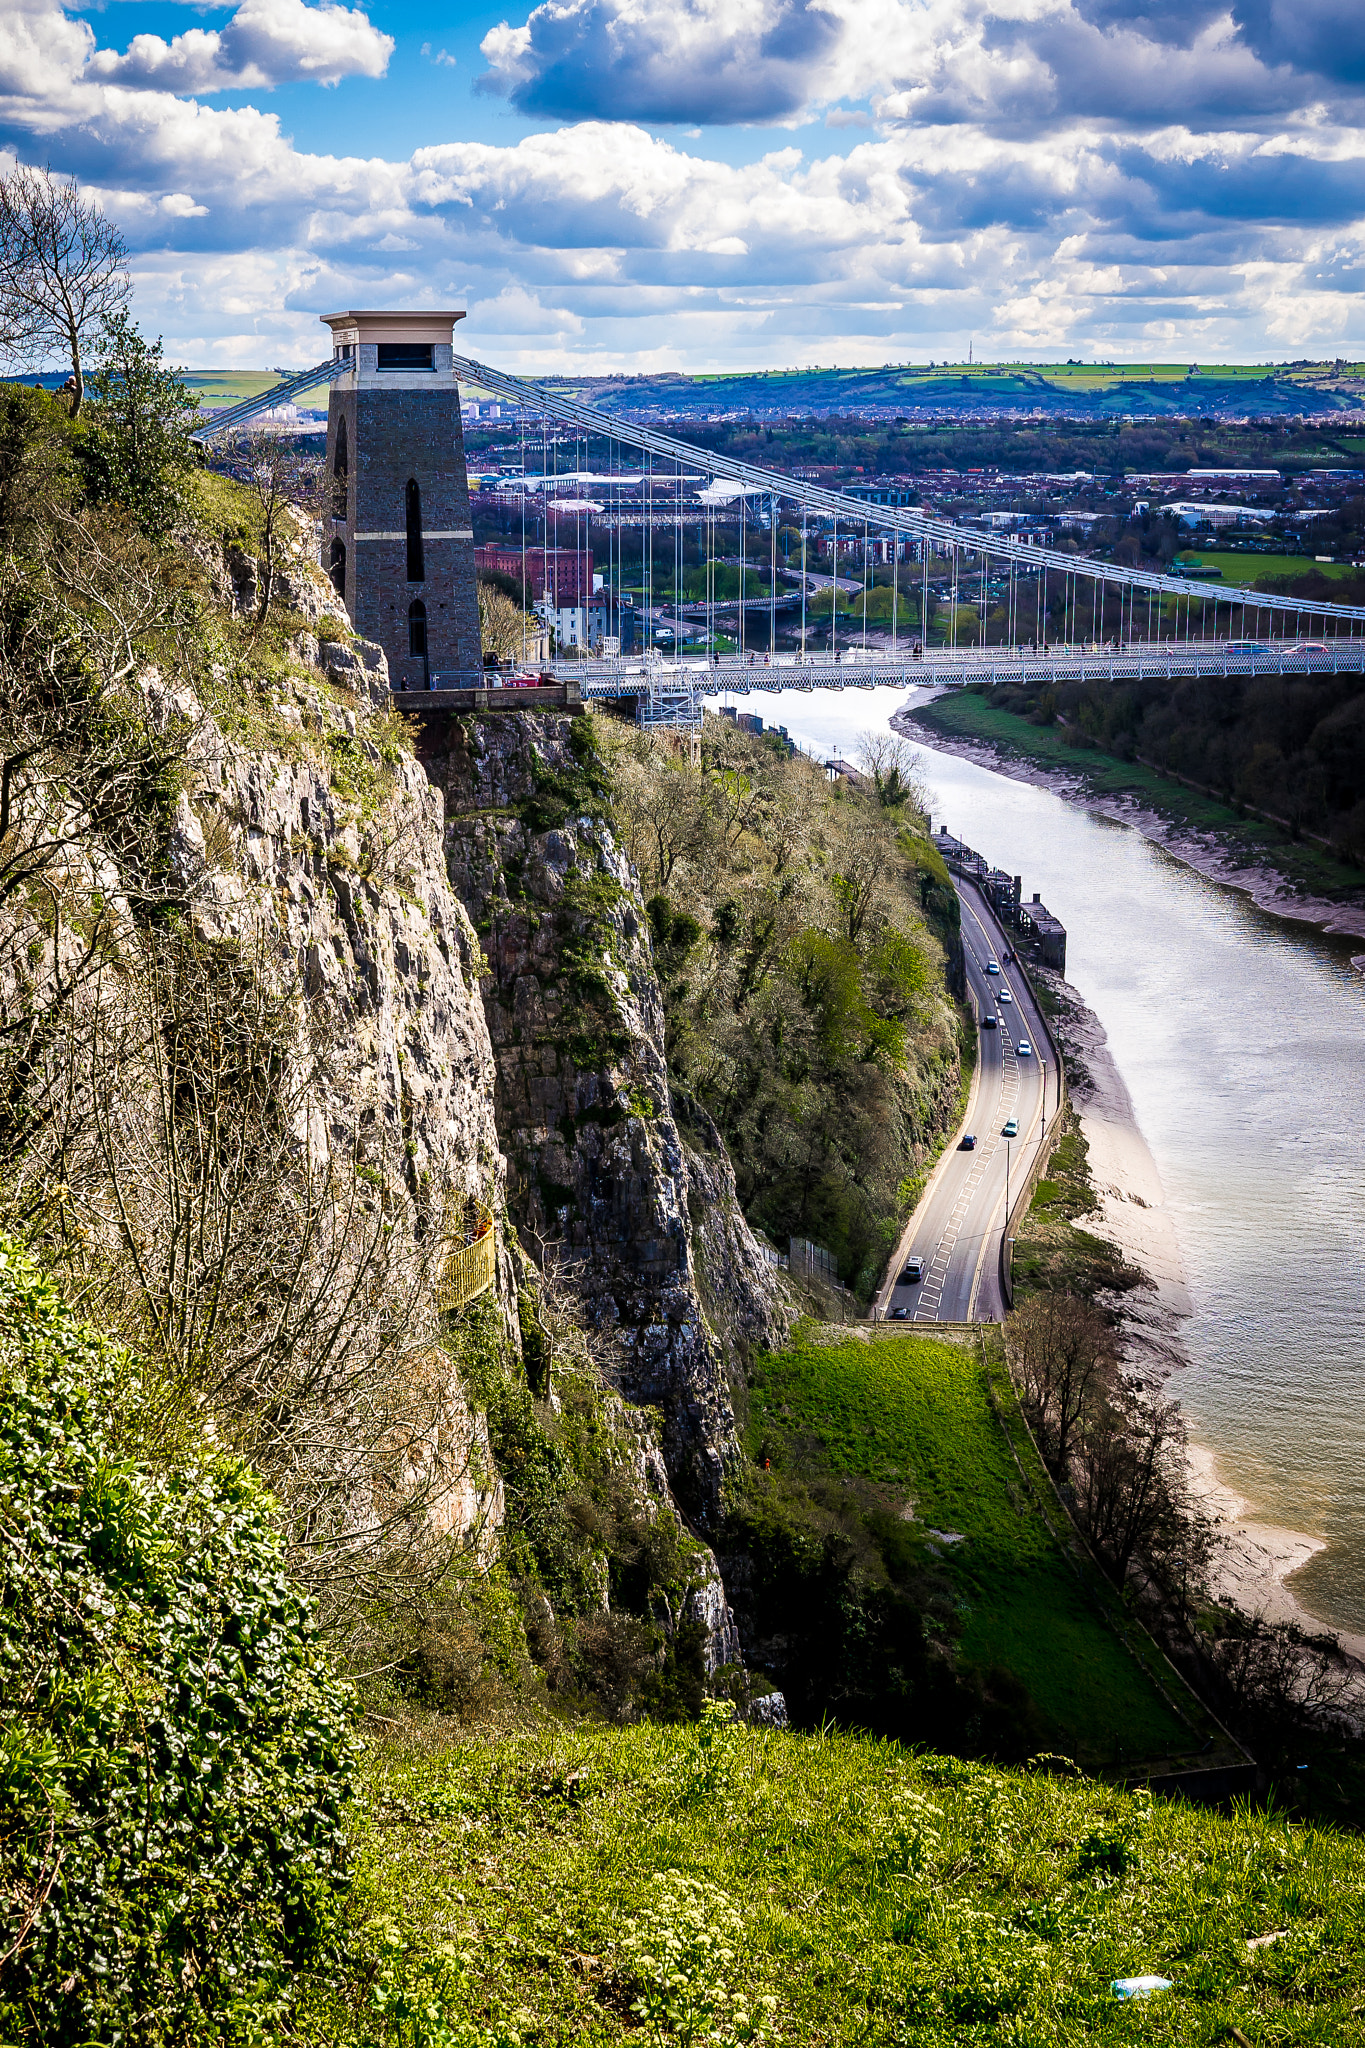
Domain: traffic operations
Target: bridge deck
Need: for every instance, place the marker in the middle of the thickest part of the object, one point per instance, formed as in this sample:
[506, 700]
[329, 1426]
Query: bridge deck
[855, 670]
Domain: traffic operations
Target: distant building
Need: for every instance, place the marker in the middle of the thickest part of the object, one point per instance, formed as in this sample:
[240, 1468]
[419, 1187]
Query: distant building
[582, 626]
[749, 721]
[1003, 892]
[1197, 514]
[564, 574]
[1265, 478]
[881, 493]
[1048, 930]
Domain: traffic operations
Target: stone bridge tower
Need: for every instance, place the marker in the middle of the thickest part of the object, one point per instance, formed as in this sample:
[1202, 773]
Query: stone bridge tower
[402, 539]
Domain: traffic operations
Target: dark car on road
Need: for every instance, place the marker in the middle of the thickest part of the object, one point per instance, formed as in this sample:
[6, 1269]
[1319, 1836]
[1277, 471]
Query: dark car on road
[988, 1023]
[968, 1143]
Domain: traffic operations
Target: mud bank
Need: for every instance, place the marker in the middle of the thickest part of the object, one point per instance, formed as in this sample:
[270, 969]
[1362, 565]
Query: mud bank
[1205, 852]
[1253, 1559]
[1131, 1211]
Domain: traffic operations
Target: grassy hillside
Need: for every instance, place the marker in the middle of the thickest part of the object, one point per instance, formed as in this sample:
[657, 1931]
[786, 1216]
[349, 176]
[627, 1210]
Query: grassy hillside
[906, 1427]
[661, 1885]
[801, 932]
[1246, 569]
[1098, 390]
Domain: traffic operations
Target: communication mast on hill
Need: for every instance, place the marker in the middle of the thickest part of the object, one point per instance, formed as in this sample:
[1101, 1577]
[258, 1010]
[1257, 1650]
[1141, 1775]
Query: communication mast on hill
[401, 552]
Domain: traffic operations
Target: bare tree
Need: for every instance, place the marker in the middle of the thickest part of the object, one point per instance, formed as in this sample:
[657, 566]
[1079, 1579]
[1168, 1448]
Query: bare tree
[1282, 1681]
[664, 808]
[284, 481]
[504, 628]
[1062, 1352]
[63, 269]
[895, 770]
[1129, 1482]
[865, 856]
[262, 1255]
[87, 772]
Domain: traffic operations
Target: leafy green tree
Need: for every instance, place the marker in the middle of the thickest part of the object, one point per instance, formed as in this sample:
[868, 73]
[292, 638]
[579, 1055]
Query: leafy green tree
[36, 460]
[138, 452]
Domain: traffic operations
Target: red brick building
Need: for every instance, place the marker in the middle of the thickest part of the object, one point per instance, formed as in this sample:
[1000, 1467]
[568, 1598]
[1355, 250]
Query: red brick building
[562, 574]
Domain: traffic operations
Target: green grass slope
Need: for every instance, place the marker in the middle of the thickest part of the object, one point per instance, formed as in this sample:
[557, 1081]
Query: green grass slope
[661, 1885]
[915, 1416]
[1246, 569]
[1095, 390]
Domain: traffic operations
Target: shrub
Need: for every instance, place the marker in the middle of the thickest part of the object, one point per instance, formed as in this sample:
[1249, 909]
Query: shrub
[173, 1749]
[682, 1958]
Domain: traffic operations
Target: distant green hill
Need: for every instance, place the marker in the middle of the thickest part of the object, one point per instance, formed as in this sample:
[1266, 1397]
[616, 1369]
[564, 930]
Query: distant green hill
[1088, 390]
[1060, 390]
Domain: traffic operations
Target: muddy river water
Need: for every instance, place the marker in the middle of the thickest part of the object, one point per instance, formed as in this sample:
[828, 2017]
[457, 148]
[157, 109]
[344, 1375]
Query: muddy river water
[1241, 1037]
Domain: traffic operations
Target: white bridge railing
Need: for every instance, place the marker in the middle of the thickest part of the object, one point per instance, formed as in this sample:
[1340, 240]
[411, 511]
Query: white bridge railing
[657, 680]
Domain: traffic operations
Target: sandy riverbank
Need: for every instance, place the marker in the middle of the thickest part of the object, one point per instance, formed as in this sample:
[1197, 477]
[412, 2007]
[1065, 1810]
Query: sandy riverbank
[1205, 852]
[1253, 1559]
[1256, 1558]
[1131, 1211]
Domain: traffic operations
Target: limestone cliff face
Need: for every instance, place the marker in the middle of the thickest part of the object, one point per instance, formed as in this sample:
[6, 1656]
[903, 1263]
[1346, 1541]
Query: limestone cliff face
[602, 1184]
[310, 838]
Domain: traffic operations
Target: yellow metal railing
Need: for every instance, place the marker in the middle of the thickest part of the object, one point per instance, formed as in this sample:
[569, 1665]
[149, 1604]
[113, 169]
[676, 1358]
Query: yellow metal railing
[470, 1263]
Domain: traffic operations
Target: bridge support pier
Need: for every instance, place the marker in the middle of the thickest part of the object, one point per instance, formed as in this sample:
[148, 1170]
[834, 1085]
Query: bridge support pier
[401, 539]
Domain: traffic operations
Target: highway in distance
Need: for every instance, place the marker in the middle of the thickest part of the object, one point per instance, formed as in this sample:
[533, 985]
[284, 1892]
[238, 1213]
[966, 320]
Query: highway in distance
[957, 1227]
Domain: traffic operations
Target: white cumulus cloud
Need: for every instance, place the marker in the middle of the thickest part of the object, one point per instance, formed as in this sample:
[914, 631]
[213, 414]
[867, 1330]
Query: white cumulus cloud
[266, 43]
[1026, 62]
[1037, 173]
[688, 60]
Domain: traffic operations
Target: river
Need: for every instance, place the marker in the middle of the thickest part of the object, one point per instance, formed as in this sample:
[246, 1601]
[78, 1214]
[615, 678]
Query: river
[1241, 1037]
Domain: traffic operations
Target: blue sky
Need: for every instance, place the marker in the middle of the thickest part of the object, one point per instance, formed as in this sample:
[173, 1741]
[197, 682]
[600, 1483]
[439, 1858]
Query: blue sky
[427, 94]
[651, 184]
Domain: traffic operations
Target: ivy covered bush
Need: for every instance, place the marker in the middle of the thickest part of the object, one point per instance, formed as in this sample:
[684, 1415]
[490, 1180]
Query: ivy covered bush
[174, 1751]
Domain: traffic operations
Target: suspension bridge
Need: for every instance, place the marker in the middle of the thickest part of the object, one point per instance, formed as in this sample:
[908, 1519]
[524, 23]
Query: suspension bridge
[1119, 623]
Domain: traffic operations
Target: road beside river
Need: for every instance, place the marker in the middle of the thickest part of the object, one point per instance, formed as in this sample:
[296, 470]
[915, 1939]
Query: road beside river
[1240, 1037]
[956, 1229]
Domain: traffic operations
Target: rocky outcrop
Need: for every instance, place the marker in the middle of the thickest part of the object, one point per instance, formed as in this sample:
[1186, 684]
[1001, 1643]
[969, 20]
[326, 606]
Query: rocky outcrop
[745, 1300]
[315, 852]
[601, 1182]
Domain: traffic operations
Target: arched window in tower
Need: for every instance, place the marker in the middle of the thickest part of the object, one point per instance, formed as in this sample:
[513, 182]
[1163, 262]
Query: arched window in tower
[417, 628]
[416, 571]
[340, 471]
[336, 568]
